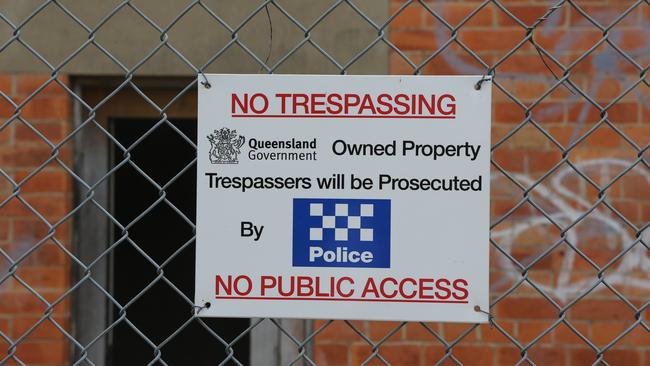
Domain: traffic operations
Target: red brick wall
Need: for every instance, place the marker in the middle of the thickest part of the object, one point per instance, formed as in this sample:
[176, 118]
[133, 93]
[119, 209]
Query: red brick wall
[46, 268]
[528, 155]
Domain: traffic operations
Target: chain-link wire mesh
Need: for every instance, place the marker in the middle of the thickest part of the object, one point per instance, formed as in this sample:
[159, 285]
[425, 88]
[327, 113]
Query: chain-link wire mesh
[538, 199]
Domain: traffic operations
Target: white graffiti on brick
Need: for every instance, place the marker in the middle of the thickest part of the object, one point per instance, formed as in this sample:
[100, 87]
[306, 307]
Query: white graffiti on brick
[565, 206]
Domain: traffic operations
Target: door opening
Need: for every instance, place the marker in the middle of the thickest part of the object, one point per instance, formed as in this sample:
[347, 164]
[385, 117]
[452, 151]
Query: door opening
[159, 234]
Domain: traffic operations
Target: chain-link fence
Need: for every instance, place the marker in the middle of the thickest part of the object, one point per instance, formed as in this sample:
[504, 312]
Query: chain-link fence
[97, 144]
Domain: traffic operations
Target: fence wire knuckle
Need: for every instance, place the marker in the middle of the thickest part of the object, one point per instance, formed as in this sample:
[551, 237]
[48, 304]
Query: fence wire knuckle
[552, 206]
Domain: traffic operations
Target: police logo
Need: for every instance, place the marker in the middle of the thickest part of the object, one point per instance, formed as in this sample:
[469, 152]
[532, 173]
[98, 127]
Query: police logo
[225, 146]
[341, 233]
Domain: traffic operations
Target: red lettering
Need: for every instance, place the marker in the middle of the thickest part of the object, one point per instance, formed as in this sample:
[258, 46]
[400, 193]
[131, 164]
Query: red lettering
[338, 287]
[443, 285]
[267, 282]
[282, 291]
[283, 102]
[382, 287]
[351, 100]
[370, 286]
[235, 101]
[401, 100]
[402, 286]
[367, 103]
[265, 103]
[462, 289]
[317, 100]
[334, 100]
[227, 287]
[424, 288]
[305, 286]
[422, 102]
[383, 100]
[248, 285]
[300, 100]
[448, 108]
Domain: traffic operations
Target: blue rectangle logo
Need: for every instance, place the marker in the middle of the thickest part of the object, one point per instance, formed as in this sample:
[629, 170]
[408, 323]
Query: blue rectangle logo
[341, 232]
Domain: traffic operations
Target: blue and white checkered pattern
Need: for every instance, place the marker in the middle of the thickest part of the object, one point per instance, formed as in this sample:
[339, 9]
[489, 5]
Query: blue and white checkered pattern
[361, 225]
[341, 215]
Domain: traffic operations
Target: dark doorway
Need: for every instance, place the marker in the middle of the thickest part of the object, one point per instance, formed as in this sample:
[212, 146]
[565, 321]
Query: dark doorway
[157, 235]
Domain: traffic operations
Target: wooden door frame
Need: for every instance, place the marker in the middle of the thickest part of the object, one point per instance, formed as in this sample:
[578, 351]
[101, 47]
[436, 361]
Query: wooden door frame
[93, 232]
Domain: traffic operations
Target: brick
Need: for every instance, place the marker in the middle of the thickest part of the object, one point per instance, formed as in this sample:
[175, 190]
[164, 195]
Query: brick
[52, 132]
[603, 137]
[607, 90]
[24, 156]
[47, 254]
[433, 354]
[6, 84]
[379, 329]
[623, 112]
[521, 64]
[453, 331]
[508, 355]
[491, 334]
[508, 113]
[47, 108]
[638, 336]
[604, 14]
[542, 161]
[42, 352]
[400, 354]
[580, 112]
[45, 330]
[529, 331]
[528, 14]
[6, 134]
[399, 66]
[525, 90]
[529, 137]
[413, 40]
[526, 308]
[501, 207]
[636, 185]
[454, 13]
[51, 206]
[21, 302]
[6, 108]
[4, 229]
[449, 62]
[31, 228]
[573, 42]
[510, 160]
[339, 330]
[44, 277]
[416, 331]
[410, 17]
[5, 326]
[612, 357]
[592, 309]
[640, 135]
[331, 354]
[44, 181]
[493, 40]
[631, 210]
[565, 135]
[27, 84]
[565, 335]
[548, 355]
[394, 354]
[473, 355]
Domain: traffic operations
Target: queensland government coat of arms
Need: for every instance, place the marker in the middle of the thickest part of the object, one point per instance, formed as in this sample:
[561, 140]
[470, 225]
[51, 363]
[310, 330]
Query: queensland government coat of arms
[225, 146]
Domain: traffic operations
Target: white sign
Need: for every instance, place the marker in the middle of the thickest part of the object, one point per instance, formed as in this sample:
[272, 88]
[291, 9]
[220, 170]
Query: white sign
[343, 197]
